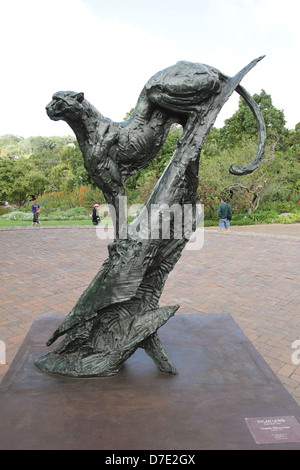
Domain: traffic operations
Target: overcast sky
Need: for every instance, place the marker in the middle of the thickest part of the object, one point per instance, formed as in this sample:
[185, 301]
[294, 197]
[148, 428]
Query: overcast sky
[110, 48]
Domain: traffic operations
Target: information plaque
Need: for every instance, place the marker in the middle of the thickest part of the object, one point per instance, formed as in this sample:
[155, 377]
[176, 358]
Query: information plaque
[274, 430]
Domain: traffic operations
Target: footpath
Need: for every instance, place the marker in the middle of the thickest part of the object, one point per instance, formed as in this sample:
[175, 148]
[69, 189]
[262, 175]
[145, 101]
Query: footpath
[251, 273]
[277, 230]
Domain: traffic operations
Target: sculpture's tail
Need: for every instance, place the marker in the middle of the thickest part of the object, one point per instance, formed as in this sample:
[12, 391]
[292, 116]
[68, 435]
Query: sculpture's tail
[247, 169]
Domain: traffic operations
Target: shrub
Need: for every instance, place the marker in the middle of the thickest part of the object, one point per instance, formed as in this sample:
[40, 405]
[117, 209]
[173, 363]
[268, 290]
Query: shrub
[288, 218]
[81, 196]
[78, 213]
[242, 219]
[4, 210]
[17, 215]
[264, 217]
[284, 206]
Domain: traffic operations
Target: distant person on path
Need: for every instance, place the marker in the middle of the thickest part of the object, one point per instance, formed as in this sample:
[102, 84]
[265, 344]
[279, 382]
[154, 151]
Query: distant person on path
[224, 214]
[96, 217]
[35, 211]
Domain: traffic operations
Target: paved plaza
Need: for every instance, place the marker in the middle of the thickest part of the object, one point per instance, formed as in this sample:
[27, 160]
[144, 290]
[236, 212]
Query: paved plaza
[250, 273]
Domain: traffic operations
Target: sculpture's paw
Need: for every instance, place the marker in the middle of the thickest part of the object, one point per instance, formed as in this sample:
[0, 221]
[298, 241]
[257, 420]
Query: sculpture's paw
[75, 365]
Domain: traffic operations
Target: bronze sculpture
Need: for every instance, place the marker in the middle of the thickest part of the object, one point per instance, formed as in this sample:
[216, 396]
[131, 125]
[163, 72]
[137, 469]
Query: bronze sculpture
[119, 310]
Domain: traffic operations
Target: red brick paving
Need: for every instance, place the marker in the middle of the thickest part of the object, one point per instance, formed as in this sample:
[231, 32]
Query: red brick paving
[254, 278]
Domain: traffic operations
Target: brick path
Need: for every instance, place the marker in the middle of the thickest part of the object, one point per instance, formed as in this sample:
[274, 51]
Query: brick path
[254, 278]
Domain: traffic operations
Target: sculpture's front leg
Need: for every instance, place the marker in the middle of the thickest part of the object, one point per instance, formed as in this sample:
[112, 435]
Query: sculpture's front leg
[156, 351]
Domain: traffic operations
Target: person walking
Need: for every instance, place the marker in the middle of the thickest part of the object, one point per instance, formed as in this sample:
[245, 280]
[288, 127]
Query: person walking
[35, 211]
[224, 214]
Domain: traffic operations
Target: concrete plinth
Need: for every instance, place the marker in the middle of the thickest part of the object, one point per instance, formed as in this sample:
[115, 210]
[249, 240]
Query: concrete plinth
[222, 381]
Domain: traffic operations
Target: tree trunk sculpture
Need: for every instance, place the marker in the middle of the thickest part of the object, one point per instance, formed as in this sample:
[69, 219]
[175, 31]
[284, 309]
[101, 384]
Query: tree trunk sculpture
[119, 311]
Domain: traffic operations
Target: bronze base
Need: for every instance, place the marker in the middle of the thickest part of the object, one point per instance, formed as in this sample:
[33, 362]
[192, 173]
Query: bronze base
[222, 380]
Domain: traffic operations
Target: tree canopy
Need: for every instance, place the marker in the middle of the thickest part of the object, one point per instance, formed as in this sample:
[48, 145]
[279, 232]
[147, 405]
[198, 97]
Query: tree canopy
[242, 124]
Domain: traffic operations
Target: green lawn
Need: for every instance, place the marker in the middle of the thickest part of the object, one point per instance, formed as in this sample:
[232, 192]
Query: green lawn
[25, 223]
[28, 223]
[238, 219]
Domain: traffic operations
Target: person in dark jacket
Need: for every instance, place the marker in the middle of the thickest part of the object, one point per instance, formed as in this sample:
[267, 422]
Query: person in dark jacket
[224, 214]
[95, 216]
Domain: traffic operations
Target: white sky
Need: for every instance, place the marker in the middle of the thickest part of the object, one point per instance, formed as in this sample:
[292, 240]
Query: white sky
[110, 48]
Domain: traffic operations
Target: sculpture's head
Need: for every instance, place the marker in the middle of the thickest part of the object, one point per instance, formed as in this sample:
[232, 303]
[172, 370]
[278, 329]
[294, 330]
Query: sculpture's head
[66, 105]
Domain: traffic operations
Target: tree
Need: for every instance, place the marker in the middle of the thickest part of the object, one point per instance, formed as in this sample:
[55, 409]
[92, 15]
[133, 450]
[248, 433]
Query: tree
[60, 178]
[212, 146]
[62, 165]
[294, 144]
[10, 146]
[252, 189]
[45, 161]
[242, 124]
[140, 185]
[19, 179]
[294, 137]
[278, 178]
[72, 157]
[236, 143]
